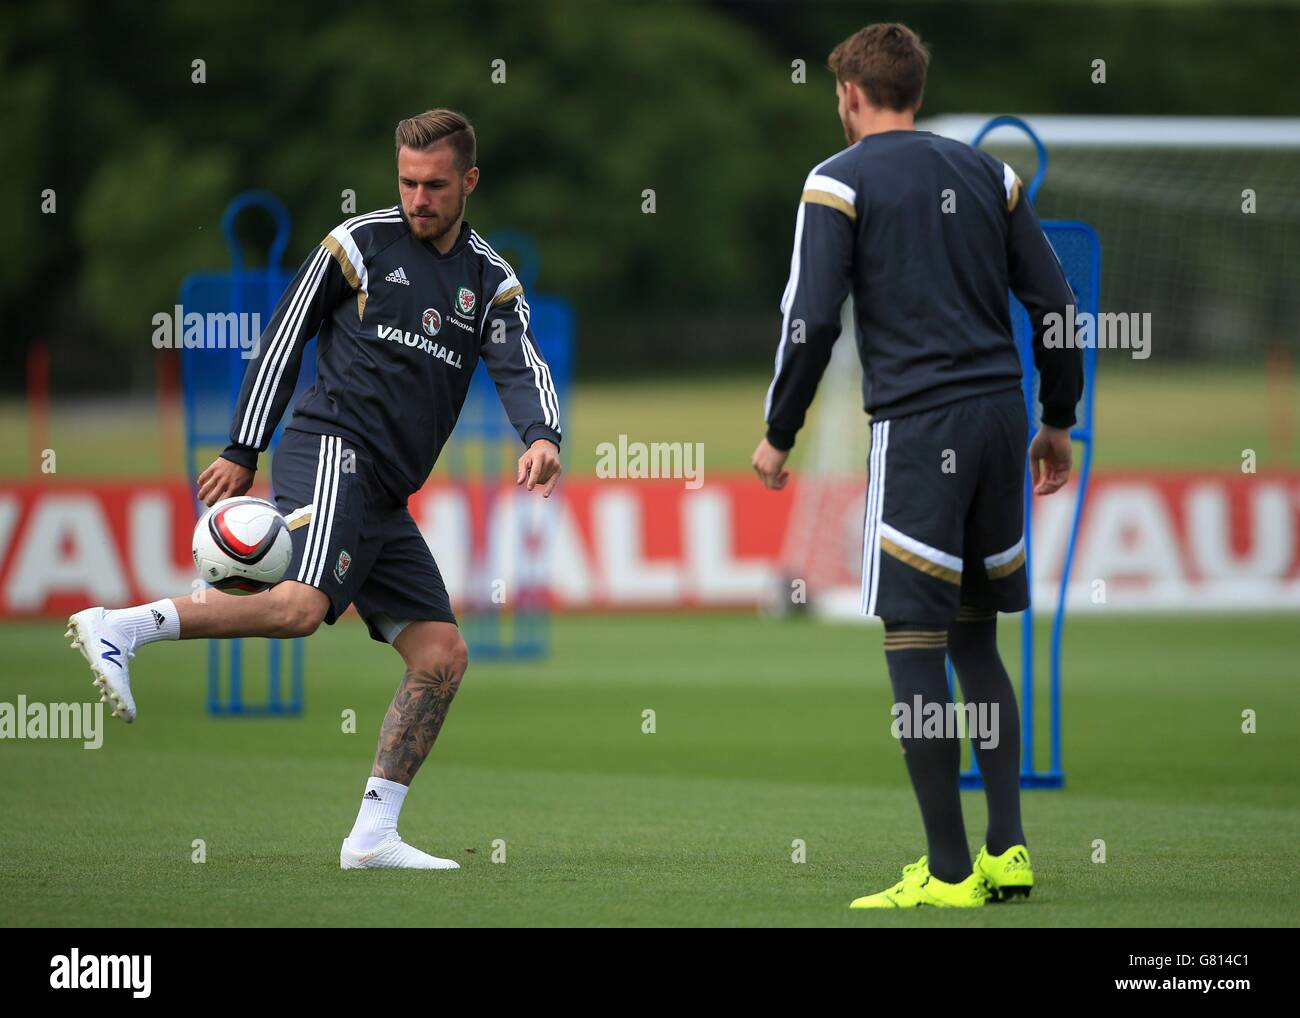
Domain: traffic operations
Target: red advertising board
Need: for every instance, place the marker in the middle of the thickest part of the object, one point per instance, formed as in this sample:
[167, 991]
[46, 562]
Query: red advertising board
[1189, 541]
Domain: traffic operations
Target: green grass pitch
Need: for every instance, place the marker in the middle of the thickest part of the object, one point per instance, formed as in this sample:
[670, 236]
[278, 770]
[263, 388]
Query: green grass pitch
[766, 732]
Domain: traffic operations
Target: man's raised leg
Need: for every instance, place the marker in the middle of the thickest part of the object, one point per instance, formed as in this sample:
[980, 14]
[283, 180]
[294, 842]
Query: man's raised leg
[109, 638]
[288, 610]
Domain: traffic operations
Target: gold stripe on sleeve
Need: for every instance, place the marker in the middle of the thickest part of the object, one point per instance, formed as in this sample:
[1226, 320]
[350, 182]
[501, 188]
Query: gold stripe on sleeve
[336, 249]
[511, 294]
[831, 201]
[1015, 195]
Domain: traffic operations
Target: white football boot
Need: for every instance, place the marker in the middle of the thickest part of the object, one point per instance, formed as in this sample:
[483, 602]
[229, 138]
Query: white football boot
[107, 650]
[392, 854]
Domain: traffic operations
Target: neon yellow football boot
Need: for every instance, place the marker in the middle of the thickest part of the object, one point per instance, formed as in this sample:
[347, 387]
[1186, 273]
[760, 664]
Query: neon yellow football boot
[1008, 875]
[920, 887]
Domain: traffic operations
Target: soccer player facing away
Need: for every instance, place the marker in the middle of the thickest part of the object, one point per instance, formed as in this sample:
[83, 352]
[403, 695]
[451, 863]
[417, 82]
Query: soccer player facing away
[406, 300]
[926, 235]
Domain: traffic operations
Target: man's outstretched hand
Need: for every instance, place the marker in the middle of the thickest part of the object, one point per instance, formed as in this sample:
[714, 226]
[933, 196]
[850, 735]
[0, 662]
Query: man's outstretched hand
[769, 463]
[224, 479]
[1050, 458]
[540, 465]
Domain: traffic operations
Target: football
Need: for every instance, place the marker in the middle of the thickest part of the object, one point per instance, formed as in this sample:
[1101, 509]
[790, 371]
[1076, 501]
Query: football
[242, 546]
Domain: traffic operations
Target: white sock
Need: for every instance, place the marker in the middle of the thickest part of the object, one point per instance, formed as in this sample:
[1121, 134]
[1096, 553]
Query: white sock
[147, 622]
[378, 815]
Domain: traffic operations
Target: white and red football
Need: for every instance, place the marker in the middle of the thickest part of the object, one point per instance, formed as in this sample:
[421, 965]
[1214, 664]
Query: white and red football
[242, 546]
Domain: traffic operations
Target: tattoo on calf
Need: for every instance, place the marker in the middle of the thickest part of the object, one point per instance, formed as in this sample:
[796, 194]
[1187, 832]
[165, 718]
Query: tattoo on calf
[413, 721]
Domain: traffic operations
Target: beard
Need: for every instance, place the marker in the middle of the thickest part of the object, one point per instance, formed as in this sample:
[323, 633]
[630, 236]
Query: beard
[434, 230]
[848, 132]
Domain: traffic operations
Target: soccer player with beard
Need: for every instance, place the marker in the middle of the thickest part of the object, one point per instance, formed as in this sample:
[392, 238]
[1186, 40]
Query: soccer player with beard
[406, 301]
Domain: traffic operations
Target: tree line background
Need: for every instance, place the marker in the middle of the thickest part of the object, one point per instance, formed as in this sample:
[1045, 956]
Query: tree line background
[601, 100]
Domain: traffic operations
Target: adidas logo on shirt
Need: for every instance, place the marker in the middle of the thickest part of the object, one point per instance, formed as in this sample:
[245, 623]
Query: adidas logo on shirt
[398, 275]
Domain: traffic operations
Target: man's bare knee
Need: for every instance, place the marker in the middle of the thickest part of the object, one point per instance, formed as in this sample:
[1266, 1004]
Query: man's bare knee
[433, 648]
[458, 653]
[447, 652]
[297, 609]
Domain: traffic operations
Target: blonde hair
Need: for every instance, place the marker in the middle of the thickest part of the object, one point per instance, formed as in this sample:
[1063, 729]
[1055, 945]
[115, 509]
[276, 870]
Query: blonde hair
[428, 129]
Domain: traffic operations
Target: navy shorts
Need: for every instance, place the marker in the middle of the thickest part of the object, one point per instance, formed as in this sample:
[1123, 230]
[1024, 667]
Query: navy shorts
[945, 512]
[351, 540]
